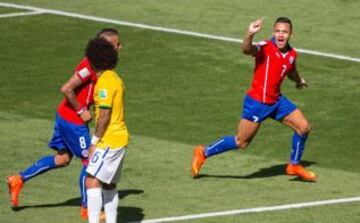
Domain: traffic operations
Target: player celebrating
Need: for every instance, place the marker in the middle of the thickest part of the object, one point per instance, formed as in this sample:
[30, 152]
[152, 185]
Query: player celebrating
[110, 138]
[71, 133]
[274, 59]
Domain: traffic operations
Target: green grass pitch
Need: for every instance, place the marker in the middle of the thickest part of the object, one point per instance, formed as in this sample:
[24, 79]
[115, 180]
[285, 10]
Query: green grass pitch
[181, 91]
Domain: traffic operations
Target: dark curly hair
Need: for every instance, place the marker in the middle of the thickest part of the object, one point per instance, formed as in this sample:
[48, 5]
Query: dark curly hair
[101, 54]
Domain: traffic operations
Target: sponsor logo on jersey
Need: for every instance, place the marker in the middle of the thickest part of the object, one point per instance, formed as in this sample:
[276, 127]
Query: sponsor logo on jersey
[84, 73]
[103, 94]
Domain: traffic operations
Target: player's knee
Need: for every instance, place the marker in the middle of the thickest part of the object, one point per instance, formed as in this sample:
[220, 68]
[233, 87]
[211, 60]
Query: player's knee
[305, 129]
[242, 144]
[92, 182]
[62, 160]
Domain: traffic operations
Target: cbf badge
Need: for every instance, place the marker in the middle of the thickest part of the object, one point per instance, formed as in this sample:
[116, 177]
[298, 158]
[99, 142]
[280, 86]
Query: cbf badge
[291, 60]
[103, 94]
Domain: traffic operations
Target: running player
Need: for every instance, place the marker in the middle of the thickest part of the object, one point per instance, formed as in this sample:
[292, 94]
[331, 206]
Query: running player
[71, 135]
[274, 60]
[109, 140]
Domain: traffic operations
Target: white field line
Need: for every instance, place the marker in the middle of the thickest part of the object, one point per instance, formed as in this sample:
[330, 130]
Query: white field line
[253, 210]
[16, 14]
[163, 29]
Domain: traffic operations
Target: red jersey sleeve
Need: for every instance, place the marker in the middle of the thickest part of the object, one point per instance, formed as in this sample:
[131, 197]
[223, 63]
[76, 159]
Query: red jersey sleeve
[260, 47]
[84, 71]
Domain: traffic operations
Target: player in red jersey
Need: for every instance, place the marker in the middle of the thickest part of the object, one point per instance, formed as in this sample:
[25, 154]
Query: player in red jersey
[71, 133]
[274, 59]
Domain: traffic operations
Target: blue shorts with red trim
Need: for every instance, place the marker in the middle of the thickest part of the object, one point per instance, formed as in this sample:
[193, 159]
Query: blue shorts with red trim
[72, 137]
[257, 112]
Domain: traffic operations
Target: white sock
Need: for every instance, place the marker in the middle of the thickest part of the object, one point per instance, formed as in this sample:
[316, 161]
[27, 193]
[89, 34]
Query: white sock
[94, 204]
[111, 202]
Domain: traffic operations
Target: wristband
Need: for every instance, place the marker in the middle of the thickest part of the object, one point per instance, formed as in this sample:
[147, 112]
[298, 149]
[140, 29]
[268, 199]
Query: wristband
[94, 139]
[80, 110]
[302, 81]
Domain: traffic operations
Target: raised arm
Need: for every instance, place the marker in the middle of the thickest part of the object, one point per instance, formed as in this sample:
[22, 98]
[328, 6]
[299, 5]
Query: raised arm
[247, 47]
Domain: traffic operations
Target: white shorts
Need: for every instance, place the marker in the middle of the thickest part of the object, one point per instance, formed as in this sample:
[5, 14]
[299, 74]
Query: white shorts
[105, 164]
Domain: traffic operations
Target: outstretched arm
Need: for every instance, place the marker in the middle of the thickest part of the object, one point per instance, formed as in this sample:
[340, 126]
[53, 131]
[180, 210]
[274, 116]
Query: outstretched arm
[247, 47]
[295, 76]
[68, 89]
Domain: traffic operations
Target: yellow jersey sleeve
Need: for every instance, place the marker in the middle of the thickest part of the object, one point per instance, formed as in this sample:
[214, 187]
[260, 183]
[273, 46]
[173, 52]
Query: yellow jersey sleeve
[106, 92]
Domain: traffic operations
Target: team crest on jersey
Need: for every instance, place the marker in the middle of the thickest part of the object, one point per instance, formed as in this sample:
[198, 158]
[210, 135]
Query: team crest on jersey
[84, 73]
[103, 94]
[291, 60]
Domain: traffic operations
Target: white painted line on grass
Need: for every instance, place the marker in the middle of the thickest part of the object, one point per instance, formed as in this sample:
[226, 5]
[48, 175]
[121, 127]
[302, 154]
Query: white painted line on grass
[253, 210]
[17, 14]
[163, 29]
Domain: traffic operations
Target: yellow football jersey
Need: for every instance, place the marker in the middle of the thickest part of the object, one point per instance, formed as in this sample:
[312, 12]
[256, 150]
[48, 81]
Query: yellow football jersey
[109, 94]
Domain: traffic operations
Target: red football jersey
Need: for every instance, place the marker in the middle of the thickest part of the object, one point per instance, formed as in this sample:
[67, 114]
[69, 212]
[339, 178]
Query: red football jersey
[271, 67]
[84, 93]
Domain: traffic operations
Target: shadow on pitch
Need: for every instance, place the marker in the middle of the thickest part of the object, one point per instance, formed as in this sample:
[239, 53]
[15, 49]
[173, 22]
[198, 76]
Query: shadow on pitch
[272, 171]
[125, 213]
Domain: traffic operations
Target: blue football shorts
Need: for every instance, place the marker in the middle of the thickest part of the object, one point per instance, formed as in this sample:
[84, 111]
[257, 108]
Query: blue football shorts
[71, 137]
[257, 112]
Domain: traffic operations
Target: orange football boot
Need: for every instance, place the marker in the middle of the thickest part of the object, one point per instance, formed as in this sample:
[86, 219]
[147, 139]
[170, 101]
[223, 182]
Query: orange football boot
[198, 160]
[15, 184]
[84, 214]
[300, 171]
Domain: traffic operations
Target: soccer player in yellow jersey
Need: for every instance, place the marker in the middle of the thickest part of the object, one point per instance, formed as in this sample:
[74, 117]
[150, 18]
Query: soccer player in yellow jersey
[108, 143]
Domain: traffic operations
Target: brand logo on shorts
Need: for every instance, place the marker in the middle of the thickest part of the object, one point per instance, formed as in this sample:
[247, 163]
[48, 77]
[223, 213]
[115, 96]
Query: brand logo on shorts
[256, 119]
[103, 94]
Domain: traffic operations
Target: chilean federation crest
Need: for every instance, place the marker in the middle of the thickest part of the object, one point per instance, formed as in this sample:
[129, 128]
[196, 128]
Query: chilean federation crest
[291, 60]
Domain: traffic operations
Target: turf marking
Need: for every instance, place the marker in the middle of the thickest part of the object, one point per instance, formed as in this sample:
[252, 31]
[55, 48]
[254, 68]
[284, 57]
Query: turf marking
[163, 29]
[252, 210]
[17, 14]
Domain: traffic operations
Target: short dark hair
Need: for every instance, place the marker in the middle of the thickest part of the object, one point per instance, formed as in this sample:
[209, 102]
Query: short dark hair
[283, 20]
[101, 54]
[107, 31]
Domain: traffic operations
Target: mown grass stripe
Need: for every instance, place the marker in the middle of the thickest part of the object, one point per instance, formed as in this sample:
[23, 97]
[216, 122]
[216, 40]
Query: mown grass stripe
[253, 210]
[168, 30]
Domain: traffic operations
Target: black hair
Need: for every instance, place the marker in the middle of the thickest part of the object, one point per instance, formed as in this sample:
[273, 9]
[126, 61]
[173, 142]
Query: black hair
[101, 54]
[283, 20]
[107, 31]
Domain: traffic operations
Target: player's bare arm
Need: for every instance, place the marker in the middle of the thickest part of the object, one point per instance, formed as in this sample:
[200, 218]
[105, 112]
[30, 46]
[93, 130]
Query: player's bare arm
[247, 47]
[68, 89]
[100, 128]
[295, 76]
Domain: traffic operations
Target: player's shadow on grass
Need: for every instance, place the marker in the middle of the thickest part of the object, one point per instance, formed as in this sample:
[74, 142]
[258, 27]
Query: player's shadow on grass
[125, 214]
[261, 173]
